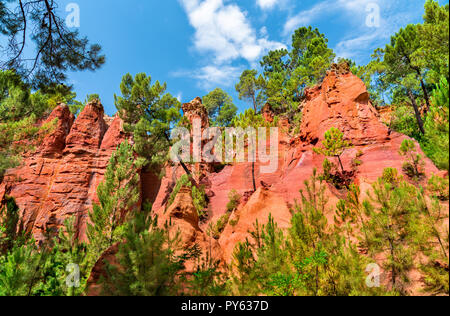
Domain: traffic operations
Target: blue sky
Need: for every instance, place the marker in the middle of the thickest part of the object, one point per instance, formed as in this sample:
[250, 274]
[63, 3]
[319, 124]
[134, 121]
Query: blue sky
[197, 45]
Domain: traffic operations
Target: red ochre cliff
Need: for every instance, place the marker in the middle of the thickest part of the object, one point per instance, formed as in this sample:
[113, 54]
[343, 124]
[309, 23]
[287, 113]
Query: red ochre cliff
[60, 179]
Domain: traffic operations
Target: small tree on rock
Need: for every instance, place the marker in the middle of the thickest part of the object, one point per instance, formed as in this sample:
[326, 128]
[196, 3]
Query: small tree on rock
[334, 145]
[413, 167]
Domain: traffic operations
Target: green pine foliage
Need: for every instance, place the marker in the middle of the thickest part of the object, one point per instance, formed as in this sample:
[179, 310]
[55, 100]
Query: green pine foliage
[215, 230]
[9, 225]
[207, 279]
[151, 260]
[21, 271]
[149, 114]
[393, 212]
[405, 72]
[234, 198]
[220, 106]
[21, 111]
[198, 195]
[433, 240]
[326, 249]
[251, 119]
[436, 140]
[288, 73]
[439, 187]
[414, 165]
[42, 47]
[70, 255]
[17, 137]
[310, 259]
[118, 195]
[250, 88]
[333, 145]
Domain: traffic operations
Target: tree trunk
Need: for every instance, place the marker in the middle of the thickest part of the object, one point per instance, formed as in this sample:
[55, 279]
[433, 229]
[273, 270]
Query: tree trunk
[393, 270]
[340, 163]
[422, 83]
[416, 110]
[426, 96]
[254, 104]
[253, 176]
[179, 158]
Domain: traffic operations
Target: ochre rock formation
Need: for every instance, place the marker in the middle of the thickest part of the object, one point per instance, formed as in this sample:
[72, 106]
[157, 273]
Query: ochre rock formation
[386, 114]
[260, 206]
[60, 179]
[341, 101]
[183, 217]
[196, 111]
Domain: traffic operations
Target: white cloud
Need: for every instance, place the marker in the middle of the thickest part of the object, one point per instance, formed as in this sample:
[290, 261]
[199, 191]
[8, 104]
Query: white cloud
[224, 30]
[266, 4]
[355, 43]
[355, 8]
[393, 16]
[211, 76]
[224, 34]
[304, 18]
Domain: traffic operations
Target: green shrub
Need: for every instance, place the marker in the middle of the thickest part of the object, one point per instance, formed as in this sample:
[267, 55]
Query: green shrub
[391, 176]
[198, 196]
[436, 140]
[439, 187]
[328, 168]
[200, 201]
[19, 137]
[234, 221]
[235, 198]
[215, 230]
[413, 167]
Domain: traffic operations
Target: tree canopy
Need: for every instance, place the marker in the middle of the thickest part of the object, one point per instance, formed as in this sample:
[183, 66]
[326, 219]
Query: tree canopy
[149, 114]
[220, 106]
[57, 48]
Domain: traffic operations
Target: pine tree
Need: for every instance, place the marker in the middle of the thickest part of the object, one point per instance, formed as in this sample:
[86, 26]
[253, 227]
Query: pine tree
[250, 119]
[9, 225]
[36, 26]
[311, 259]
[334, 145]
[118, 194]
[433, 53]
[150, 260]
[392, 212]
[250, 88]
[220, 107]
[413, 167]
[70, 255]
[432, 237]
[436, 141]
[288, 73]
[21, 270]
[149, 114]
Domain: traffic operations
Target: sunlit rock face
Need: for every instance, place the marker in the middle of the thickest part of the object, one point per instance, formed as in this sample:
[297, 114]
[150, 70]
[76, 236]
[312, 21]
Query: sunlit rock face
[341, 101]
[60, 179]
